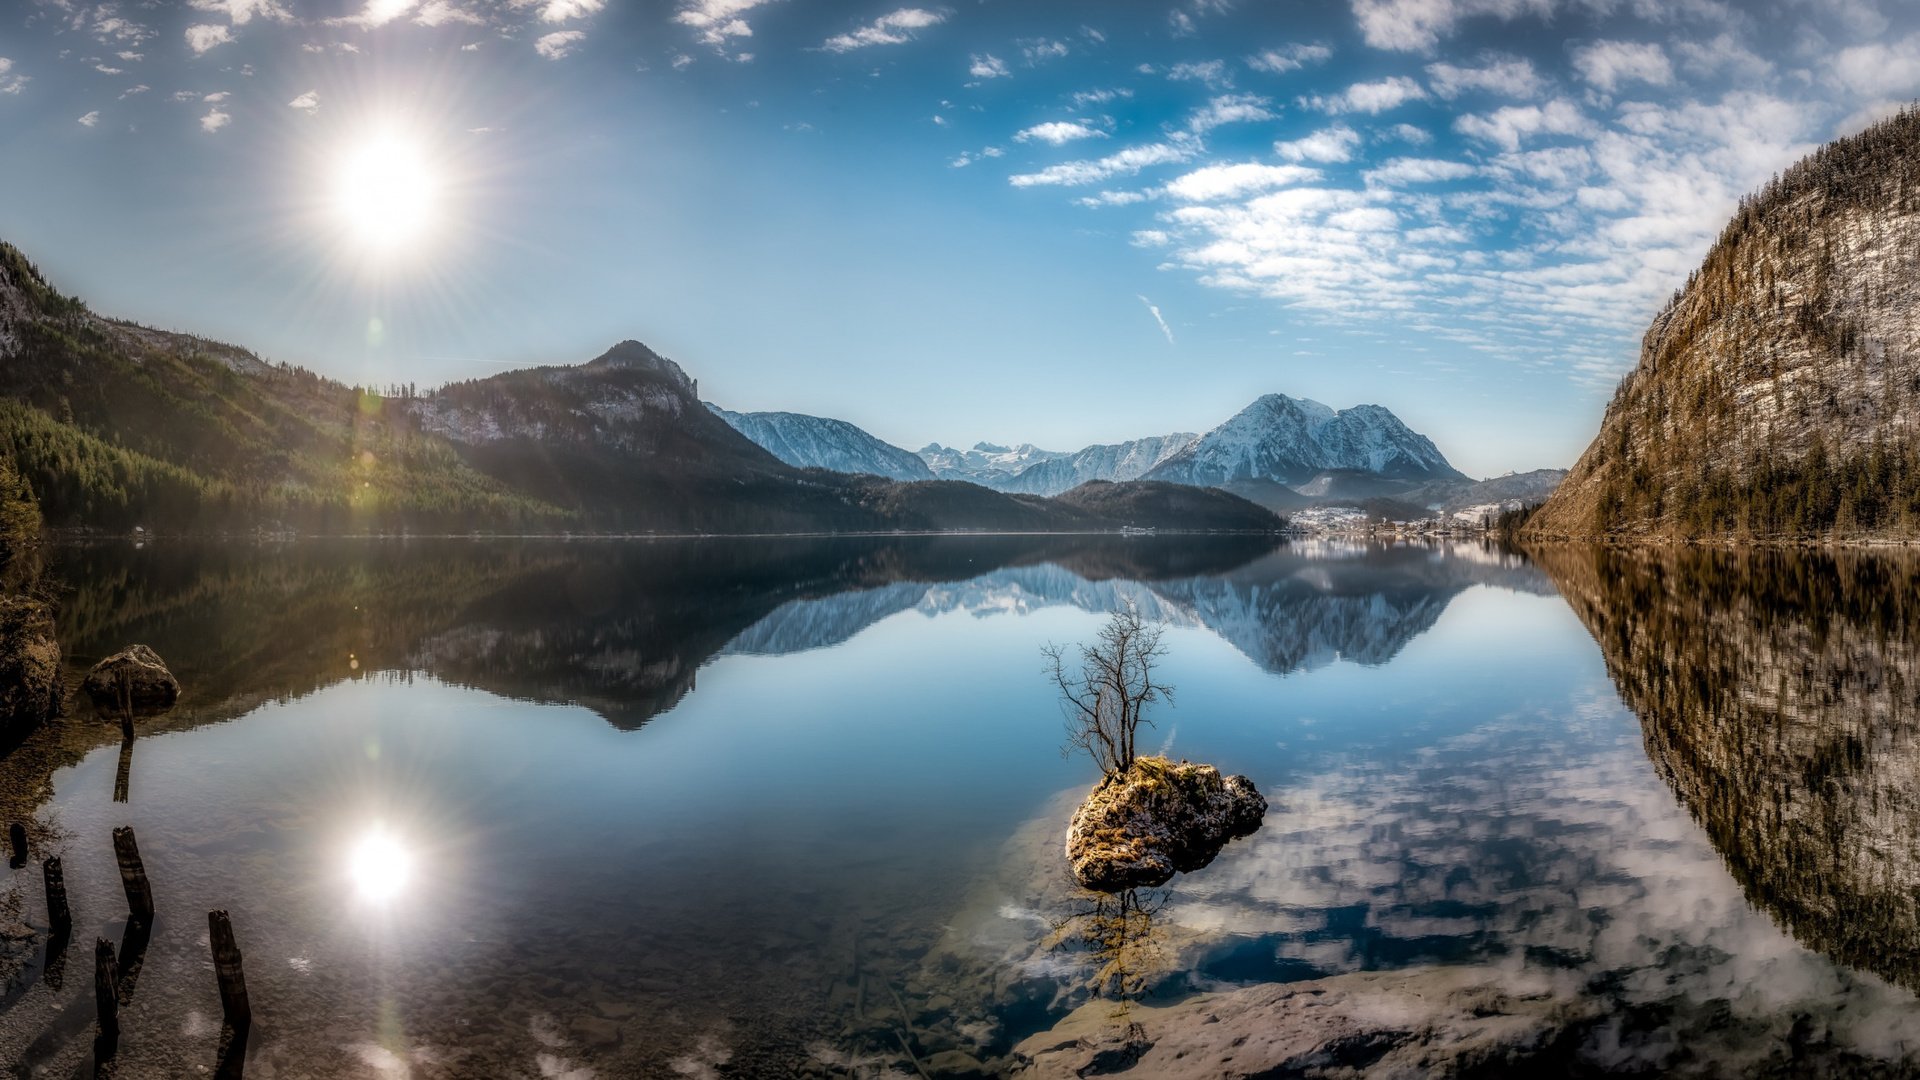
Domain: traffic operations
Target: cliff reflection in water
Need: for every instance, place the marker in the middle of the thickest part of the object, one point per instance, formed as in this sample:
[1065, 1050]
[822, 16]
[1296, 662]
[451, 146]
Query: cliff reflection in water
[1776, 691]
[623, 628]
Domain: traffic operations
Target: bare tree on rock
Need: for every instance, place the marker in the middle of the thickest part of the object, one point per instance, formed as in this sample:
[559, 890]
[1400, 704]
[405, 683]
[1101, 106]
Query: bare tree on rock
[1105, 700]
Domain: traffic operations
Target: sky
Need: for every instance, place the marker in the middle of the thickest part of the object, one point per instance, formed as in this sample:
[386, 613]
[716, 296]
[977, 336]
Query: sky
[1002, 220]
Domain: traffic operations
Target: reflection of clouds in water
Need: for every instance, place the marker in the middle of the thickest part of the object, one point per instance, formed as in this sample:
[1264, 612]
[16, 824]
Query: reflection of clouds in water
[1542, 842]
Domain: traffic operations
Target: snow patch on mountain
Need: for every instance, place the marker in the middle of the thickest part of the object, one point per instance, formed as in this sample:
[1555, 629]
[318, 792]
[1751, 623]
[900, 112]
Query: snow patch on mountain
[825, 443]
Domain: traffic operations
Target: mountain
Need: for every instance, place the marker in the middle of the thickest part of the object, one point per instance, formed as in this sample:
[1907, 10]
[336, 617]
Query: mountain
[1774, 394]
[1111, 461]
[1291, 441]
[115, 425]
[987, 463]
[1447, 496]
[823, 443]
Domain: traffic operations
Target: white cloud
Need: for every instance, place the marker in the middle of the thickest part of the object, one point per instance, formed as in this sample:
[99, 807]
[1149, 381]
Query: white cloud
[1216, 182]
[1418, 136]
[1155, 310]
[1418, 25]
[1288, 58]
[90, 119]
[105, 70]
[1099, 97]
[1040, 50]
[214, 120]
[124, 94]
[1508, 126]
[563, 10]
[1507, 76]
[10, 81]
[987, 66]
[1229, 109]
[1334, 144]
[559, 44]
[376, 13]
[241, 12]
[206, 36]
[1879, 69]
[893, 28]
[444, 13]
[1419, 171]
[216, 97]
[1125, 163]
[130, 56]
[1113, 198]
[308, 102]
[1056, 132]
[1211, 72]
[717, 21]
[1371, 97]
[1608, 64]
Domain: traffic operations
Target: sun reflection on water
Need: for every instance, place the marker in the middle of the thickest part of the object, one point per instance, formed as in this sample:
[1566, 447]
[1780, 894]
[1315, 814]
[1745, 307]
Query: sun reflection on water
[380, 865]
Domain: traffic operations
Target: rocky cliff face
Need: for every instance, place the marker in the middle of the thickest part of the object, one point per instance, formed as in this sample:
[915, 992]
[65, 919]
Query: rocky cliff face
[1775, 692]
[1775, 394]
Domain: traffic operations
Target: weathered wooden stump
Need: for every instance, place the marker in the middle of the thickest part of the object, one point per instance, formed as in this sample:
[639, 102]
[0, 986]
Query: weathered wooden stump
[226, 967]
[133, 875]
[106, 986]
[59, 916]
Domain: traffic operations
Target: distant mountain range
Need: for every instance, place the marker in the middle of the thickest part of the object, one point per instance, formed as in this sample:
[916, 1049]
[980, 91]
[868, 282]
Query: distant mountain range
[1280, 452]
[116, 425]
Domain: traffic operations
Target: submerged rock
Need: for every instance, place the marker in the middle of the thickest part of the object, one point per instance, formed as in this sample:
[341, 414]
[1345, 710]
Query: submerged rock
[136, 677]
[1139, 828]
[30, 690]
[1432, 1022]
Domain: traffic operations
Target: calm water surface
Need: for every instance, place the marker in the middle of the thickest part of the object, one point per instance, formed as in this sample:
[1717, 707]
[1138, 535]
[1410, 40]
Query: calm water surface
[773, 808]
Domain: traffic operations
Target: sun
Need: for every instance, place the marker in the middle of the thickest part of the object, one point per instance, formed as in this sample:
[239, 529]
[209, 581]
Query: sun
[386, 195]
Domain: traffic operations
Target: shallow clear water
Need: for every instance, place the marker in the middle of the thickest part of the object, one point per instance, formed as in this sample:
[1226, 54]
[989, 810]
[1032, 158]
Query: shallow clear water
[778, 807]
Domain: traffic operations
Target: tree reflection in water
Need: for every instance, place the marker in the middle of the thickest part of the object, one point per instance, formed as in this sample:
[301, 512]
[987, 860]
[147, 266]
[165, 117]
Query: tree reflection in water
[1779, 697]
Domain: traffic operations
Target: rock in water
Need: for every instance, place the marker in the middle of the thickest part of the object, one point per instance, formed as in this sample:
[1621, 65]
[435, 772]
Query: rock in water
[30, 689]
[137, 672]
[1137, 829]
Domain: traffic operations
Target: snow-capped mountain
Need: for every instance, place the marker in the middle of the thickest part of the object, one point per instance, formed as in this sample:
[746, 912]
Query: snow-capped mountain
[1112, 461]
[1291, 440]
[822, 442]
[988, 464]
[1029, 470]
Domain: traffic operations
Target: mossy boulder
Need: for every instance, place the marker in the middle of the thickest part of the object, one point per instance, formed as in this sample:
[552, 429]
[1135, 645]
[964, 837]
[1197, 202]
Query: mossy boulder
[1156, 819]
[134, 678]
[30, 688]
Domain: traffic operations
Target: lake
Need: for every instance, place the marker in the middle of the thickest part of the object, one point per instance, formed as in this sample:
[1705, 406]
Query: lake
[787, 807]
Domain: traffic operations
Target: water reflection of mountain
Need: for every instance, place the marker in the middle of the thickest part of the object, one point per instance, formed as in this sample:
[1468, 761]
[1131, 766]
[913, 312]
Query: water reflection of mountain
[1777, 697]
[1295, 608]
[623, 628]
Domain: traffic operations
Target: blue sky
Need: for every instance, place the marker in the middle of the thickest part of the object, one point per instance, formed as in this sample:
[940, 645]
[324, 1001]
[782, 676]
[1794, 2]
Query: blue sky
[1014, 221]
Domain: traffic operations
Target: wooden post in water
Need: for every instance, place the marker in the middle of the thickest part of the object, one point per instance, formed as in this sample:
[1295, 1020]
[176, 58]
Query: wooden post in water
[106, 986]
[133, 875]
[123, 776]
[17, 837]
[226, 966]
[58, 914]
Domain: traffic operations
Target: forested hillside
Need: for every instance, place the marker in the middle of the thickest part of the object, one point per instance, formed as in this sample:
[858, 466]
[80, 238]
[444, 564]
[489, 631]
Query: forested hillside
[1775, 394]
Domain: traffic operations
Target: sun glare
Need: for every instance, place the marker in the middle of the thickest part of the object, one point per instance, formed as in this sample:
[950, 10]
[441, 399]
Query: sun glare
[386, 194]
[379, 865]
